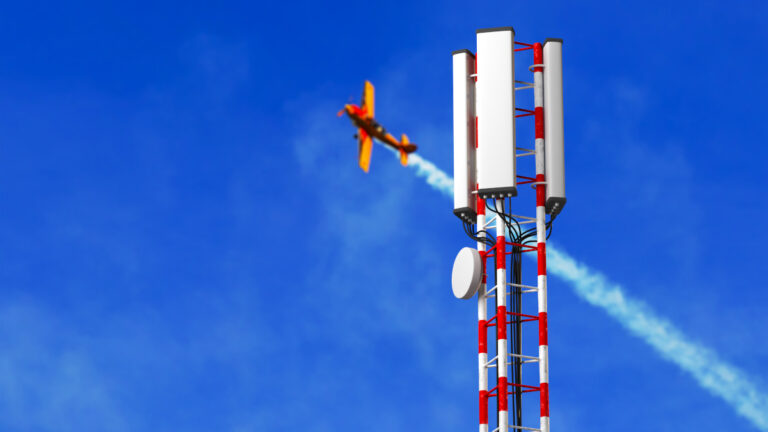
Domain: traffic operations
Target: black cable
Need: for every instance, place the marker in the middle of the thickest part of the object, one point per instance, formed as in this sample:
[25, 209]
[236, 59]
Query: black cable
[515, 333]
[506, 218]
[518, 279]
[513, 230]
[549, 229]
[469, 230]
[550, 224]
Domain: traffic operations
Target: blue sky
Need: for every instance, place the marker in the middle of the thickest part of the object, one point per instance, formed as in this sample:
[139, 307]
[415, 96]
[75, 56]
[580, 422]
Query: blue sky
[187, 242]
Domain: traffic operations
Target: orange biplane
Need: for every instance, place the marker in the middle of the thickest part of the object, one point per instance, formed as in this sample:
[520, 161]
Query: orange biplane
[368, 129]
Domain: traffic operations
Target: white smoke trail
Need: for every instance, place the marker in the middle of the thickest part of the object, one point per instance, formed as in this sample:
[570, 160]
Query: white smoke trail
[434, 176]
[710, 372]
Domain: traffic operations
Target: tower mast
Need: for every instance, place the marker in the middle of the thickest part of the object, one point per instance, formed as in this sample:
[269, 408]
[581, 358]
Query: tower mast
[486, 178]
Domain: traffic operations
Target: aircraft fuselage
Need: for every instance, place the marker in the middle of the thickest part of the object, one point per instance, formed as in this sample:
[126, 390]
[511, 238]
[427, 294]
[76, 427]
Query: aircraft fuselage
[374, 130]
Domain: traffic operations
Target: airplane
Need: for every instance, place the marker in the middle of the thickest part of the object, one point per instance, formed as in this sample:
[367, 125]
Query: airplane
[368, 128]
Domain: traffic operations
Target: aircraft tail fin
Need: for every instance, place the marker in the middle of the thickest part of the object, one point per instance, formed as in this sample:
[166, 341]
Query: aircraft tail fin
[405, 148]
[406, 145]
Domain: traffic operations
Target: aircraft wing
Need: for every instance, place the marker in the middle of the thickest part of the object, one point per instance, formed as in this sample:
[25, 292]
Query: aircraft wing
[364, 148]
[368, 99]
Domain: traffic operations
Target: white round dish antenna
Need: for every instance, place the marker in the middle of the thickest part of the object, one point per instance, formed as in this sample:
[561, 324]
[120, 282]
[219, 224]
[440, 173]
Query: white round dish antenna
[467, 273]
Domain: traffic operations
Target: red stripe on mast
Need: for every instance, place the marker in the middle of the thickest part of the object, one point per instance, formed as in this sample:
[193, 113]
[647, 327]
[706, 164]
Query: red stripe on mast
[544, 399]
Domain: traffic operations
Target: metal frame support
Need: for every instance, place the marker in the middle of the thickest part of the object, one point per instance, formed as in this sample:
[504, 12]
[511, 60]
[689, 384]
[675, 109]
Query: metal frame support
[499, 318]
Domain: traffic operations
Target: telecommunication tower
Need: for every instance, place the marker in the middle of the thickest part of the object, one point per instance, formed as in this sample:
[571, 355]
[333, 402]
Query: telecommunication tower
[486, 179]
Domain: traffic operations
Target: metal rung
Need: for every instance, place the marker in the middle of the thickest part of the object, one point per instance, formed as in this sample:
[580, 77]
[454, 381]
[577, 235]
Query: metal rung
[488, 222]
[524, 217]
[525, 154]
[529, 287]
[488, 363]
[523, 428]
[532, 359]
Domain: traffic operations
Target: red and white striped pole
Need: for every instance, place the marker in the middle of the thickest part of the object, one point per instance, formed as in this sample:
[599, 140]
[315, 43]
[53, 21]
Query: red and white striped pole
[541, 235]
[482, 324]
[501, 325]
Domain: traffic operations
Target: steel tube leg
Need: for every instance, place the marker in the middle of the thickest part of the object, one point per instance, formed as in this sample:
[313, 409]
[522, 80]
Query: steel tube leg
[501, 324]
[482, 327]
[541, 237]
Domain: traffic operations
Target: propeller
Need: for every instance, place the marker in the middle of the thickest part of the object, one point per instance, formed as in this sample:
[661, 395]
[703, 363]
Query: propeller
[350, 100]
